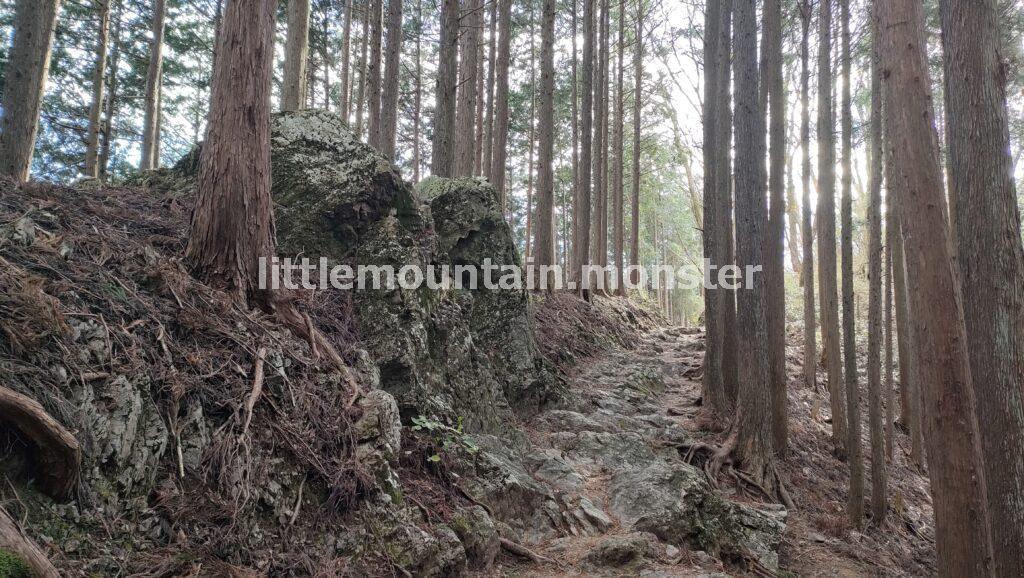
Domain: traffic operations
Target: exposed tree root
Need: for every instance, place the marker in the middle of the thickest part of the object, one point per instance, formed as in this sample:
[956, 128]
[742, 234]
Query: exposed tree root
[15, 541]
[524, 552]
[59, 457]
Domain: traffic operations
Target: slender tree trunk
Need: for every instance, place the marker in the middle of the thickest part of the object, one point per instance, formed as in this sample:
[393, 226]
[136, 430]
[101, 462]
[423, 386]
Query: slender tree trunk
[776, 234]
[991, 258]
[443, 157]
[363, 58]
[855, 506]
[233, 222]
[417, 97]
[810, 361]
[375, 132]
[599, 221]
[575, 136]
[478, 139]
[753, 429]
[502, 60]
[154, 78]
[28, 65]
[827, 233]
[533, 133]
[466, 113]
[638, 78]
[487, 154]
[581, 250]
[962, 538]
[296, 56]
[879, 499]
[618, 236]
[392, 64]
[730, 363]
[890, 393]
[713, 386]
[544, 239]
[99, 75]
[103, 161]
[344, 107]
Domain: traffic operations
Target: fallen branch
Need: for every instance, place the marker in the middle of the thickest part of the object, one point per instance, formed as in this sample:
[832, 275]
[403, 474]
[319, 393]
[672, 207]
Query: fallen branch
[524, 552]
[59, 456]
[13, 540]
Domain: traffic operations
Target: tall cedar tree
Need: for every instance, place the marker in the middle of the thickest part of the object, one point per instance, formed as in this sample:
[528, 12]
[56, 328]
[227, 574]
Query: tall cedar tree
[492, 47]
[638, 81]
[296, 56]
[28, 65]
[346, 59]
[938, 334]
[233, 221]
[878, 477]
[810, 360]
[364, 46]
[751, 439]
[99, 76]
[991, 259]
[530, 167]
[855, 504]
[776, 237]
[443, 150]
[827, 232]
[581, 212]
[110, 106]
[544, 237]
[374, 93]
[599, 222]
[466, 113]
[618, 192]
[725, 227]
[713, 386]
[154, 81]
[502, 60]
[392, 64]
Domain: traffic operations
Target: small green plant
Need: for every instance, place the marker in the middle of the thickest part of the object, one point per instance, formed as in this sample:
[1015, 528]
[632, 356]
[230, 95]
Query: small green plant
[445, 437]
[12, 566]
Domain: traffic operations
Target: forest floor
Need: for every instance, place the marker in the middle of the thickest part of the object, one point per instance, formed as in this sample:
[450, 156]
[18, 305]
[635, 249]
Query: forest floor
[818, 540]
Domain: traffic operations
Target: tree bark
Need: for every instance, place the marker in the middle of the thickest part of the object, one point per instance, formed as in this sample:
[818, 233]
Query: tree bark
[726, 188]
[599, 221]
[855, 505]
[14, 540]
[890, 393]
[363, 57]
[346, 58]
[638, 79]
[775, 253]
[99, 75]
[810, 361]
[618, 209]
[487, 154]
[753, 427]
[939, 338]
[443, 156]
[154, 79]
[827, 233]
[392, 64]
[233, 221]
[374, 130]
[990, 256]
[544, 237]
[465, 116]
[530, 167]
[502, 60]
[417, 104]
[296, 56]
[879, 499]
[103, 161]
[581, 245]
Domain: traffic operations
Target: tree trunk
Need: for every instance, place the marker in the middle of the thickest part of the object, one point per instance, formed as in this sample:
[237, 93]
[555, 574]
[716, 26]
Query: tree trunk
[154, 78]
[618, 209]
[466, 113]
[374, 130]
[753, 428]
[99, 75]
[344, 107]
[855, 505]
[939, 338]
[533, 134]
[890, 394]
[487, 154]
[575, 109]
[296, 56]
[478, 138]
[827, 233]
[581, 248]
[879, 499]
[599, 222]
[502, 60]
[103, 161]
[776, 234]
[638, 78]
[712, 385]
[544, 237]
[990, 257]
[417, 103]
[443, 157]
[810, 361]
[392, 64]
[363, 57]
[726, 188]
[233, 221]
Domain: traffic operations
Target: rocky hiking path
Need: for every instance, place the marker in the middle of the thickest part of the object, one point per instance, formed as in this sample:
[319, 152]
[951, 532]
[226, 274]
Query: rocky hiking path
[642, 510]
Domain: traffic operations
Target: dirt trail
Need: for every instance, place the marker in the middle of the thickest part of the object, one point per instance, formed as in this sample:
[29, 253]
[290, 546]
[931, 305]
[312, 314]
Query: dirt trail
[647, 513]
